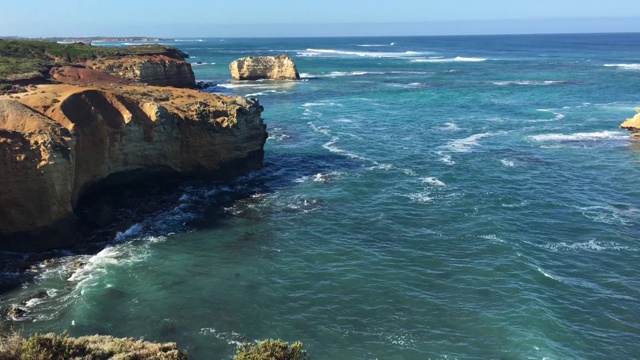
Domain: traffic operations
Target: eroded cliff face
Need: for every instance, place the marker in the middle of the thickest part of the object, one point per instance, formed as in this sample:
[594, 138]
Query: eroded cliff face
[157, 70]
[36, 169]
[59, 140]
[280, 67]
[633, 125]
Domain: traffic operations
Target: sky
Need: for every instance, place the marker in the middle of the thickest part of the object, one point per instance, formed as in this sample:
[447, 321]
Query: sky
[259, 18]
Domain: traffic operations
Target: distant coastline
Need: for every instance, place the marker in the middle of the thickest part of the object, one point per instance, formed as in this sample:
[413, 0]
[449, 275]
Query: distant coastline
[89, 39]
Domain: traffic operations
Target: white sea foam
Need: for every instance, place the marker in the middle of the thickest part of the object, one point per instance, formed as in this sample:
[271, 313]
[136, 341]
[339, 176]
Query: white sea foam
[516, 205]
[108, 256]
[624, 66]
[262, 93]
[346, 53]
[450, 127]
[433, 181]
[549, 275]
[455, 59]
[421, 197]
[323, 103]
[239, 85]
[466, 144]
[376, 45]
[232, 337]
[508, 163]
[610, 215]
[530, 82]
[591, 136]
[130, 232]
[591, 245]
[447, 159]
[558, 116]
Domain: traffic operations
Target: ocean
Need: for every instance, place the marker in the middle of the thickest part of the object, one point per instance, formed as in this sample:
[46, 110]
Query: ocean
[422, 198]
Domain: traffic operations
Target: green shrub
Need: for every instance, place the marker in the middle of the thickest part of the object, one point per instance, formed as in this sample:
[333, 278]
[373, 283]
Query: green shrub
[271, 350]
[63, 347]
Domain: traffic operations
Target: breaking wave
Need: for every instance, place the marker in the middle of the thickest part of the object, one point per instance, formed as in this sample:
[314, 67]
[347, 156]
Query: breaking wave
[455, 59]
[591, 136]
[374, 54]
[624, 66]
[531, 82]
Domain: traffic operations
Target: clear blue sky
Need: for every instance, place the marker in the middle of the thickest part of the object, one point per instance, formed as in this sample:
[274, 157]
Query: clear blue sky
[248, 18]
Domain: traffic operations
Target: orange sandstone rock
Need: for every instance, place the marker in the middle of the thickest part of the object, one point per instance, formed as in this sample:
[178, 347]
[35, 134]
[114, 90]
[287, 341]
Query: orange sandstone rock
[57, 141]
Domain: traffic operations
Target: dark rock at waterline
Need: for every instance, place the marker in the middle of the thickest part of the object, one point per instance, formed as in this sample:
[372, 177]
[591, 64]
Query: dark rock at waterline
[202, 85]
[15, 313]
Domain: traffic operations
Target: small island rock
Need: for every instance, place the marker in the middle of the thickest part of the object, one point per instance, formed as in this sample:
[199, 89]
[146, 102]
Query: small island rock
[633, 124]
[280, 67]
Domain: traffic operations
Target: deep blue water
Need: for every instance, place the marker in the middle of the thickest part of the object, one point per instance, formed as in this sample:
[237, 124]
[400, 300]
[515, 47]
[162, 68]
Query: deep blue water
[422, 198]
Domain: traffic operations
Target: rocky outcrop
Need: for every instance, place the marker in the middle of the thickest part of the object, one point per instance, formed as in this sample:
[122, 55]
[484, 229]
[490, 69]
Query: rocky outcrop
[59, 141]
[633, 125]
[36, 163]
[157, 70]
[81, 76]
[280, 67]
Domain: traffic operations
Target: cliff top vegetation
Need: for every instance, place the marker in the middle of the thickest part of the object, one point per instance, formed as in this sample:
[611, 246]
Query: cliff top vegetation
[26, 61]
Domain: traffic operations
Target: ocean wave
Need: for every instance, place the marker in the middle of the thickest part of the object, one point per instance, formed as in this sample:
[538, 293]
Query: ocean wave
[455, 59]
[130, 232]
[624, 66]
[262, 93]
[253, 86]
[558, 116]
[591, 245]
[466, 144]
[591, 136]
[319, 177]
[324, 103]
[232, 337]
[376, 45]
[375, 54]
[508, 163]
[610, 215]
[330, 145]
[434, 181]
[516, 205]
[446, 159]
[335, 74]
[549, 275]
[200, 63]
[531, 82]
[422, 197]
[450, 127]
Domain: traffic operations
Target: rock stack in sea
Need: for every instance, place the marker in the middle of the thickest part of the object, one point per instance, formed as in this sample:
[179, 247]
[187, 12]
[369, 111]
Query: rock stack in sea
[633, 125]
[280, 67]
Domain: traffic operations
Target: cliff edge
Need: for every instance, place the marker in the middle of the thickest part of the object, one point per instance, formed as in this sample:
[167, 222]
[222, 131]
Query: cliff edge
[59, 142]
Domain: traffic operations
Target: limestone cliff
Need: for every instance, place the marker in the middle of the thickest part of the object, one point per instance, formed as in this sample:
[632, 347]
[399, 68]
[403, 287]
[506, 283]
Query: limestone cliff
[280, 67]
[36, 158]
[158, 70]
[633, 125]
[58, 140]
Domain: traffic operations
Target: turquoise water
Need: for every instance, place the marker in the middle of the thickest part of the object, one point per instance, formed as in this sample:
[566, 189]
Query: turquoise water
[422, 198]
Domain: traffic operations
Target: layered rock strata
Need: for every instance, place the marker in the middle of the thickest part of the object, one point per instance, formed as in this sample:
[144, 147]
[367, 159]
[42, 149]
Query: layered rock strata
[157, 70]
[633, 125]
[58, 141]
[280, 67]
